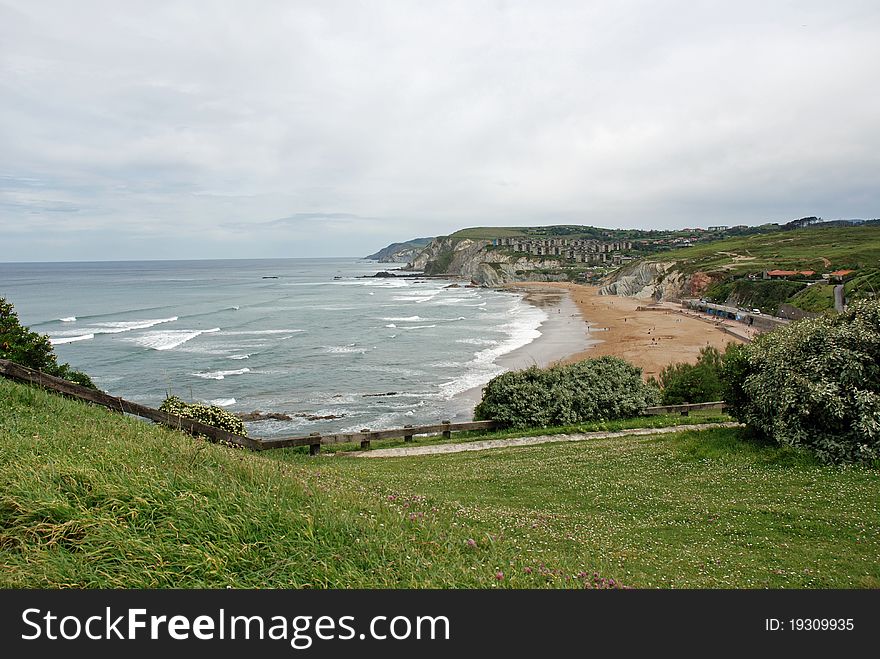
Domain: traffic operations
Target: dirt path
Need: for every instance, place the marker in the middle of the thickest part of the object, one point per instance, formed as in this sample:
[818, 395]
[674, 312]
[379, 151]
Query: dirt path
[527, 441]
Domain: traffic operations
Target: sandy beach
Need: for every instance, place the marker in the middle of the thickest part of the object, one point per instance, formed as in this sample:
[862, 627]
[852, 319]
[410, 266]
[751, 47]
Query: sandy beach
[582, 324]
[649, 339]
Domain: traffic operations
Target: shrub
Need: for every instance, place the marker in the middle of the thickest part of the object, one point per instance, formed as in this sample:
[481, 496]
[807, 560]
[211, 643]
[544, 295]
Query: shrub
[692, 383]
[813, 384]
[209, 414]
[22, 346]
[594, 389]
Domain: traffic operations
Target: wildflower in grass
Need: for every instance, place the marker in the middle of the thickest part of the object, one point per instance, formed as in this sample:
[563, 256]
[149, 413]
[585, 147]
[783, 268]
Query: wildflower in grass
[528, 570]
[471, 543]
[499, 575]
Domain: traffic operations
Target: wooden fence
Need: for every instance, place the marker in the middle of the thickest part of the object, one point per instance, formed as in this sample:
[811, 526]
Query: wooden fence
[685, 409]
[314, 441]
[17, 372]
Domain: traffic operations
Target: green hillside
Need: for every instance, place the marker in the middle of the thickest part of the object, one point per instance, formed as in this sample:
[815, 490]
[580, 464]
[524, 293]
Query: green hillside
[89, 498]
[734, 263]
[569, 231]
[818, 248]
[390, 250]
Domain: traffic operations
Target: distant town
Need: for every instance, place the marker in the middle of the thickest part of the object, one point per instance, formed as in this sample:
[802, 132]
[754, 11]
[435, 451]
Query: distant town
[601, 252]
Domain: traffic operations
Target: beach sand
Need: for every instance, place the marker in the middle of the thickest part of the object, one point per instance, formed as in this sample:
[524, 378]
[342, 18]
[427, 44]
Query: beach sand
[649, 339]
[564, 334]
[582, 324]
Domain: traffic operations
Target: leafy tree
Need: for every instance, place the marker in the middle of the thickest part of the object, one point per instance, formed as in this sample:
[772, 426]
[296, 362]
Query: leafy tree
[22, 346]
[814, 383]
[594, 389]
[693, 383]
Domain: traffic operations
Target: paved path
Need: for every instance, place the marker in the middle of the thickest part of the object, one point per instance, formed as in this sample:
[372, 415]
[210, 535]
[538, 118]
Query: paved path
[740, 330]
[528, 441]
[838, 299]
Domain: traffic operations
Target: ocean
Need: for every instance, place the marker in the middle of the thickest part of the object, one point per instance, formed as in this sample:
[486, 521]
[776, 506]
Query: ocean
[317, 339]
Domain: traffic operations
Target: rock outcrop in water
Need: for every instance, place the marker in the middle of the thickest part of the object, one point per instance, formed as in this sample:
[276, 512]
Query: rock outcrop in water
[258, 415]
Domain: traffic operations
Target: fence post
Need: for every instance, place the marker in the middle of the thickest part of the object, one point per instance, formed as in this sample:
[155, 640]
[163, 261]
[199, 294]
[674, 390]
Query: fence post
[408, 438]
[447, 434]
[365, 443]
[315, 449]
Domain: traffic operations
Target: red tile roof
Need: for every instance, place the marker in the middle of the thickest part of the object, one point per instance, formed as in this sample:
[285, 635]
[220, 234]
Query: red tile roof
[841, 273]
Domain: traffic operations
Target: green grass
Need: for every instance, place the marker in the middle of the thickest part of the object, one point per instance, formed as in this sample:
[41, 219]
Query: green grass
[765, 295]
[441, 265]
[560, 231]
[843, 247]
[658, 421]
[91, 499]
[488, 233]
[816, 298]
[863, 285]
[690, 510]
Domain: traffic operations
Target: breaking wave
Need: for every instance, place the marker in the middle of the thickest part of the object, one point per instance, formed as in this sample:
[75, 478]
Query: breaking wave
[345, 350]
[219, 375]
[70, 339]
[169, 339]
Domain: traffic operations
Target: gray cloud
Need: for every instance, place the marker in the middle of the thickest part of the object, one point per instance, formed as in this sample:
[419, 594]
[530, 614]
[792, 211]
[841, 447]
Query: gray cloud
[163, 129]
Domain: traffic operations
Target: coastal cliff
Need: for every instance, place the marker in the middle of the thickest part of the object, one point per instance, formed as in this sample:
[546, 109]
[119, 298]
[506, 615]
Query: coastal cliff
[769, 267]
[480, 262]
[400, 252]
[659, 280]
[487, 264]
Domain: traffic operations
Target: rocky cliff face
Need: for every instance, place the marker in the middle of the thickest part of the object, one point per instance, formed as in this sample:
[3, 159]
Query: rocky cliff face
[640, 280]
[400, 252]
[656, 280]
[401, 256]
[477, 261]
[472, 259]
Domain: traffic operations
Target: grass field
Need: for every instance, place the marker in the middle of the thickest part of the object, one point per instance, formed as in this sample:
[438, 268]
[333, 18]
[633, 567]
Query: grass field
[819, 249]
[658, 421]
[91, 499]
[817, 298]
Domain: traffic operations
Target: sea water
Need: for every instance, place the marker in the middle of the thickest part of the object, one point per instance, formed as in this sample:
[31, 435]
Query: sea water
[309, 338]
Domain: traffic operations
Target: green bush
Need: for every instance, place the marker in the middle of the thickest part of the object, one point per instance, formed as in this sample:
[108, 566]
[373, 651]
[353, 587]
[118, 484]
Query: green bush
[598, 389]
[440, 266]
[22, 346]
[814, 383]
[692, 383]
[209, 414]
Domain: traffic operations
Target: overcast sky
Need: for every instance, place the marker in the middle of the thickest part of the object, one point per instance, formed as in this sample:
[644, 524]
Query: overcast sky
[263, 129]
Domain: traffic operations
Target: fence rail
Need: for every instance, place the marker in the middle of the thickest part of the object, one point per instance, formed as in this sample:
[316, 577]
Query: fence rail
[17, 372]
[685, 409]
[314, 441]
